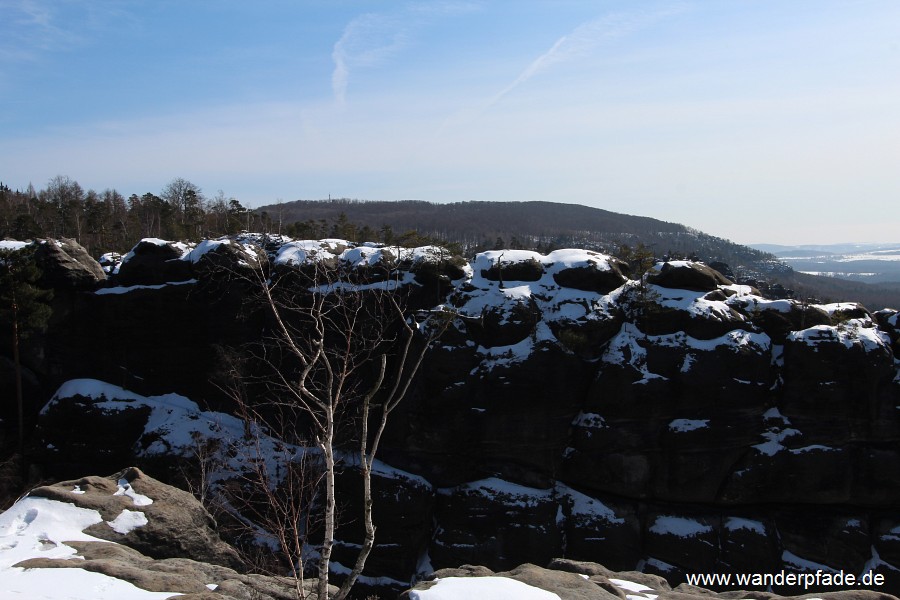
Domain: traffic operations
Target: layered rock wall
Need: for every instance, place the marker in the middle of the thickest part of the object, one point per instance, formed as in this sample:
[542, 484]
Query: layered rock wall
[672, 424]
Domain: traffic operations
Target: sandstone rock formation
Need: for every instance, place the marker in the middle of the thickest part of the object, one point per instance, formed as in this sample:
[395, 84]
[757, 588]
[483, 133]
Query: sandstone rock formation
[573, 580]
[146, 533]
[674, 424]
[67, 265]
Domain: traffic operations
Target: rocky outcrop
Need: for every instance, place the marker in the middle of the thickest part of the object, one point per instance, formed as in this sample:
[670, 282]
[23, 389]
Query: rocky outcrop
[135, 530]
[573, 580]
[674, 424]
[169, 433]
[154, 262]
[687, 275]
[66, 265]
[166, 509]
[151, 535]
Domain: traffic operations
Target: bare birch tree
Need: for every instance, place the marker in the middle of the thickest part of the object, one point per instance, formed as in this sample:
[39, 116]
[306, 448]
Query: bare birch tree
[341, 353]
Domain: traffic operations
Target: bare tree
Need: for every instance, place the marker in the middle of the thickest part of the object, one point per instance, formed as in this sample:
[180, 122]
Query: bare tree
[272, 499]
[187, 200]
[340, 354]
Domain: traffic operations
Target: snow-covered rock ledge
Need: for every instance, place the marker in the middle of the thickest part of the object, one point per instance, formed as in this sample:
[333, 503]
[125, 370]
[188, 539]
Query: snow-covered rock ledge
[566, 579]
[130, 537]
[122, 537]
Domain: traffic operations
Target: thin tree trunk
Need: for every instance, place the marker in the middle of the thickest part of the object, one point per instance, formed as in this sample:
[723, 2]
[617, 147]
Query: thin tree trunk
[369, 540]
[19, 402]
[328, 540]
[365, 465]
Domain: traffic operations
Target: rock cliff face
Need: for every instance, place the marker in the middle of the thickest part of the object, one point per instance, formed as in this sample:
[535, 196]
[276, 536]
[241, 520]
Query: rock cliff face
[675, 424]
[130, 536]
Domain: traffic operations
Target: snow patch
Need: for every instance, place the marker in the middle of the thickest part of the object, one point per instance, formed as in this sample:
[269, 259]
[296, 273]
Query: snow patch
[736, 523]
[678, 526]
[125, 489]
[589, 421]
[804, 565]
[852, 333]
[638, 591]
[583, 506]
[12, 245]
[684, 425]
[495, 588]
[774, 438]
[127, 521]
[512, 494]
[39, 528]
[124, 289]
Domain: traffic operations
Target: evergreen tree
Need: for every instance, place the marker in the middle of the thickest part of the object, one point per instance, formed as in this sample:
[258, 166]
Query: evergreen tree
[23, 310]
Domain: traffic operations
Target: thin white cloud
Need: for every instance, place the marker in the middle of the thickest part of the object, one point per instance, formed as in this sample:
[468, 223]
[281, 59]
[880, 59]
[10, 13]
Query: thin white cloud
[30, 28]
[367, 41]
[373, 39]
[584, 40]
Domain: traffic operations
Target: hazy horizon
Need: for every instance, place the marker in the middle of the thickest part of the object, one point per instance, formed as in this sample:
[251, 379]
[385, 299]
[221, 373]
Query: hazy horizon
[764, 122]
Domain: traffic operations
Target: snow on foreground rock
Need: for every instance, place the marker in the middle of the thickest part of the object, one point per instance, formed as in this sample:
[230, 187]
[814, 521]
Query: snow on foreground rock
[126, 536]
[39, 528]
[497, 588]
[565, 579]
[713, 404]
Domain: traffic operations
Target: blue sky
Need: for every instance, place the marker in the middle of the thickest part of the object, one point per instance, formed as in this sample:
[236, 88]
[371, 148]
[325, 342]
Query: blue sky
[762, 121]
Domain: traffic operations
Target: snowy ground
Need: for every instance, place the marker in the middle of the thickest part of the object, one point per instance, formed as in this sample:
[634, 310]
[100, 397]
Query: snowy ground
[40, 528]
[496, 588]
[504, 588]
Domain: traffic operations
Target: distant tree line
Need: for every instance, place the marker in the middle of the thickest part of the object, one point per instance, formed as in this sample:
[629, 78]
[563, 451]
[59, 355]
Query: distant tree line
[107, 220]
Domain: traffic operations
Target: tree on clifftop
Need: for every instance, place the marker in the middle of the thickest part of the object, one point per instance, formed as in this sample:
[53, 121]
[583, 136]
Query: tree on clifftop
[23, 309]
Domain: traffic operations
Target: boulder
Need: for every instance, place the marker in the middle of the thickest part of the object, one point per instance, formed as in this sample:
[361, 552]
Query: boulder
[888, 321]
[529, 269]
[749, 544]
[225, 259]
[668, 314]
[75, 434]
[608, 531]
[778, 318]
[600, 280]
[504, 325]
[65, 264]
[154, 262]
[690, 542]
[836, 371]
[167, 510]
[574, 580]
[163, 540]
[566, 585]
[686, 275]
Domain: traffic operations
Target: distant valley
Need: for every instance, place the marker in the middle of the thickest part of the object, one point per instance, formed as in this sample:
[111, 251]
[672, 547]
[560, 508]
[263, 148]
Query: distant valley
[867, 263]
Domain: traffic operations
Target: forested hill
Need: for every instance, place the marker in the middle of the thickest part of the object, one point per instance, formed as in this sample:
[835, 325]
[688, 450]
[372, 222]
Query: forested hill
[532, 225]
[475, 219]
[109, 221]
[544, 226]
